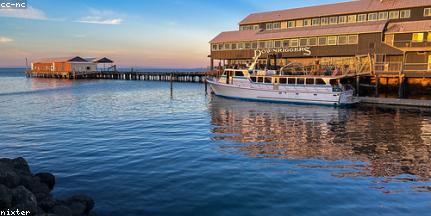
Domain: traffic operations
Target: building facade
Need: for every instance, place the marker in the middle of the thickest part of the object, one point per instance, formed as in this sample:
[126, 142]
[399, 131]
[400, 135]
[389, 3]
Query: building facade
[387, 40]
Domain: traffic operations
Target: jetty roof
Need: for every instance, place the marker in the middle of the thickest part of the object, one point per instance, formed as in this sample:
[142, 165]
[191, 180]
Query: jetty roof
[75, 59]
[359, 6]
[253, 35]
[409, 26]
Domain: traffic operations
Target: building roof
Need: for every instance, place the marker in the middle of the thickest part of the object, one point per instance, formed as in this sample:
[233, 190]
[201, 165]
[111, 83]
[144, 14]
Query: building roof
[74, 59]
[253, 35]
[61, 59]
[412, 26]
[358, 6]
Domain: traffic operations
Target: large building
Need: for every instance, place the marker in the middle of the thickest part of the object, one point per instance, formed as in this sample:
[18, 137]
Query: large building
[387, 40]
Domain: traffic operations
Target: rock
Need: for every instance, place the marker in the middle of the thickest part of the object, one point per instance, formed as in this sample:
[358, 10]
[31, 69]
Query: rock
[40, 188]
[87, 201]
[47, 203]
[21, 166]
[24, 200]
[9, 178]
[62, 210]
[47, 178]
[5, 197]
[78, 209]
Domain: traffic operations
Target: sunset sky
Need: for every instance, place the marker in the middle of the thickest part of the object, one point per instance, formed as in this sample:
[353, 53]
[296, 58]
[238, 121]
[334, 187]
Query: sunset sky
[162, 33]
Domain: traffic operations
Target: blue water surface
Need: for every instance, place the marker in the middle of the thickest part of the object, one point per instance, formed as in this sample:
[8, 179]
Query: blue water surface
[140, 148]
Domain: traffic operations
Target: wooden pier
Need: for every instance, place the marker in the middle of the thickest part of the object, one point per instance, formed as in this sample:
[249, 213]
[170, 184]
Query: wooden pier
[131, 75]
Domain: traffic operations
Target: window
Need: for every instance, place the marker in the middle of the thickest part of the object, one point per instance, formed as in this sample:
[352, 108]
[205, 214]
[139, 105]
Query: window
[351, 19]
[276, 25]
[253, 79]
[307, 22]
[268, 26]
[283, 80]
[234, 46]
[315, 22]
[254, 45]
[324, 21]
[220, 47]
[241, 46]
[427, 12]
[389, 39]
[342, 40]
[227, 46]
[255, 27]
[299, 23]
[239, 74]
[312, 41]
[394, 15]
[309, 81]
[294, 43]
[214, 46]
[262, 44]
[320, 82]
[429, 62]
[418, 37]
[372, 16]
[260, 79]
[303, 42]
[291, 81]
[300, 81]
[286, 43]
[362, 17]
[404, 14]
[269, 44]
[383, 15]
[277, 44]
[291, 24]
[332, 40]
[247, 45]
[333, 20]
[342, 19]
[323, 41]
[268, 80]
[353, 39]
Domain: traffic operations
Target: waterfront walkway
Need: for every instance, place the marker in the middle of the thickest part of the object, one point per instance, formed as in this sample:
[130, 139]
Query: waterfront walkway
[396, 101]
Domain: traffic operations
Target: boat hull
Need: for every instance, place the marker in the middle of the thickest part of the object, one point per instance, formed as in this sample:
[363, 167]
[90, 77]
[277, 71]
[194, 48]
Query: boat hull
[284, 96]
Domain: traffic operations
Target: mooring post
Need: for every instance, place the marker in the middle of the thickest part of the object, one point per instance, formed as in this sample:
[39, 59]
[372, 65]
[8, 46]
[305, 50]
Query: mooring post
[357, 85]
[377, 85]
[206, 86]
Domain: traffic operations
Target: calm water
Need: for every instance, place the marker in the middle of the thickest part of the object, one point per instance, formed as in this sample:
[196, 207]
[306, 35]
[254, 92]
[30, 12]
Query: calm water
[140, 150]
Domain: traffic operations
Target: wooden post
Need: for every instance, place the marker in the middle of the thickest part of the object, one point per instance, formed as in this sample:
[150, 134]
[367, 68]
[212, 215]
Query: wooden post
[377, 85]
[401, 87]
[357, 85]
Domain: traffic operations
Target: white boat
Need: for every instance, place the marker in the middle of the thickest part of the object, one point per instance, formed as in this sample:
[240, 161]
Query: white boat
[267, 85]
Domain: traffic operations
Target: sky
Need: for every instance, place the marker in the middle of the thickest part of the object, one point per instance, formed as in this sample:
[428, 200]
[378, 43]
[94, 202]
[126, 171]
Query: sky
[134, 33]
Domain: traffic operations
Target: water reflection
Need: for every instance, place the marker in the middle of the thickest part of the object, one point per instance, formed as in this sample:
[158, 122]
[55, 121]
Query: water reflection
[390, 142]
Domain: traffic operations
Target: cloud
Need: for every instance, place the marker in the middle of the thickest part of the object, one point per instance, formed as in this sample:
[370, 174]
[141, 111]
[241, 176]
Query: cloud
[4, 40]
[104, 17]
[29, 13]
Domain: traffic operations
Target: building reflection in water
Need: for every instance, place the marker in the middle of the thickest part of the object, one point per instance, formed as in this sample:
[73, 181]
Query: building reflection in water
[391, 142]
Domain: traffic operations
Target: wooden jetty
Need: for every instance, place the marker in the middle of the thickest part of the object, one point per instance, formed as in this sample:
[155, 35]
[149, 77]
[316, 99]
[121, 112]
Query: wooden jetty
[131, 75]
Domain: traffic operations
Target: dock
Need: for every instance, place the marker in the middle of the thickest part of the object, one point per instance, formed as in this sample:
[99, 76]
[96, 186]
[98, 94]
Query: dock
[396, 102]
[198, 77]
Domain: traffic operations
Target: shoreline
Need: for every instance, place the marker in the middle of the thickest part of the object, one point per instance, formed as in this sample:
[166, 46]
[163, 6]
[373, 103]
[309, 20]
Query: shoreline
[25, 193]
[396, 102]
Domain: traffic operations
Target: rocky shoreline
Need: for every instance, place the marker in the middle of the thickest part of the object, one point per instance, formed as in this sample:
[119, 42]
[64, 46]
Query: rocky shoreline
[25, 193]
